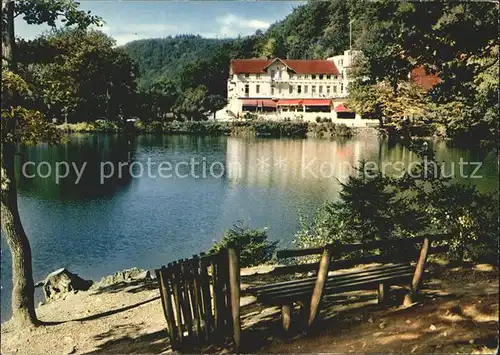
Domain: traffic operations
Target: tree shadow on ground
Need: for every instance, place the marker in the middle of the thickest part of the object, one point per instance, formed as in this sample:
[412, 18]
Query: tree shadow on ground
[358, 317]
[114, 311]
[134, 286]
[128, 339]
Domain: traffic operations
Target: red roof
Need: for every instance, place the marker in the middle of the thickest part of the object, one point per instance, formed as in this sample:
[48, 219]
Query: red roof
[341, 108]
[305, 102]
[312, 66]
[427, 81]
[258, 66]
[250, 66]
[259, 103]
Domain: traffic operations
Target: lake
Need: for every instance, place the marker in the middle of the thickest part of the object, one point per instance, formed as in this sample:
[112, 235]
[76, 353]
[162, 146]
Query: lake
[146, 214]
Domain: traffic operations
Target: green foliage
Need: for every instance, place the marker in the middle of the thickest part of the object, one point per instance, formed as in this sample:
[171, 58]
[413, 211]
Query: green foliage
[167, 57]
[85, 78]
[330, 129]
[399, 36]
[254, 246]
[48, 11]
[19, 124]
[377, 207]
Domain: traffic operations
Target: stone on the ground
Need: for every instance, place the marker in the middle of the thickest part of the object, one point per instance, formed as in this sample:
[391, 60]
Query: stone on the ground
[126, 275]
[60, 282]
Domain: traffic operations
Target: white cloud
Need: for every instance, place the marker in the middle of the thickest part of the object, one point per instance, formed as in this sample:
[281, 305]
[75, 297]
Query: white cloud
[232, 25]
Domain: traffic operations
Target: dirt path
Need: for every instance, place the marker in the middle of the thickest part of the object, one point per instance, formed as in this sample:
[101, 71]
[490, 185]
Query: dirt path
[459, 314]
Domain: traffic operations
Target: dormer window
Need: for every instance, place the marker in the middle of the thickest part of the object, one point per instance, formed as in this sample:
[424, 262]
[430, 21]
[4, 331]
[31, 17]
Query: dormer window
[247, 75]
[313, 76]
[257, 76]
[320, 76]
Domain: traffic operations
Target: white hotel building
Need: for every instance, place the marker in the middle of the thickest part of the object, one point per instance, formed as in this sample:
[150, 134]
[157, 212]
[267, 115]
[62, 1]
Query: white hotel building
[290, 89]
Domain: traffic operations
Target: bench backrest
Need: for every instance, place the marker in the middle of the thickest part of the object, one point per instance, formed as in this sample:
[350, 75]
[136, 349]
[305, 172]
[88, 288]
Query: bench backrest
[385, 251]
[197, 296]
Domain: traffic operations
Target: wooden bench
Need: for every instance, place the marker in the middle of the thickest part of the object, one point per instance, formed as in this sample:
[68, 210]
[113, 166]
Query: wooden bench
[399, 262]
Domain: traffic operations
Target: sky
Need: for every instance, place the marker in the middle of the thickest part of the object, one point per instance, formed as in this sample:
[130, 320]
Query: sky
[129, 20]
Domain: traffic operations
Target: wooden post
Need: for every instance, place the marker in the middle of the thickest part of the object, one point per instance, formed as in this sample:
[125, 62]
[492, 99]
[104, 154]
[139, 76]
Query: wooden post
[177, 299]
[215, 295]
[186, 306]
[324, 265]
[419, 271]
[198, 312]
[166, 295]
[383, 293]
[234, 287]
[207, 300]
[286, 316]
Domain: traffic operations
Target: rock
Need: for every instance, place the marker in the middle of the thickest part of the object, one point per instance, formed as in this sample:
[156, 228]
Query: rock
[408, 321]
[60, 282]
[126, 275]
[471, 341]
[432, 327]
[370, 320]
[382, 325]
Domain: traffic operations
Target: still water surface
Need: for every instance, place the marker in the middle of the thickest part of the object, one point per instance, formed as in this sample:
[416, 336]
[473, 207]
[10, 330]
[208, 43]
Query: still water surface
[147, 220]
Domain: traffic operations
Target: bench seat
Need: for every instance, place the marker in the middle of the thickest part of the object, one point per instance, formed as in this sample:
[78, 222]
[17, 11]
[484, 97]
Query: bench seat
[288, 291]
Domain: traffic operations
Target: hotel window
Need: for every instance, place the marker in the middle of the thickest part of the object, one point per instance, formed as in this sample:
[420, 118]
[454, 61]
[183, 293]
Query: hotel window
[320, 89]
[321, 77]
[328, 90]
[335, 89]
[328, 76]
[247, 75]
[279, 90]
[305, 89]
[272, 91]
[257, 89]
[257, 76]
[247, 89]
[291, 76]
[341, 88]
[290, 91]
[313, 89]
[313, 76]
[299, 89]
[272, 74]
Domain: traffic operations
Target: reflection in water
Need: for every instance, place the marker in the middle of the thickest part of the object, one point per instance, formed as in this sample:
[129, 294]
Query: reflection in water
[314, 166]
[96, 229]
[80, 179]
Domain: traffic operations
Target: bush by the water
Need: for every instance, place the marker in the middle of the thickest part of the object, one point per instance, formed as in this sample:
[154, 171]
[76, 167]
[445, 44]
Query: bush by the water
[377, 207]
[254, 246]
[326, 128]
[92, 127]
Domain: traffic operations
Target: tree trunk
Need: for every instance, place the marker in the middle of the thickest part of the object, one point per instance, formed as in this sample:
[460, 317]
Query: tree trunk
[8, 39]
[23, 302]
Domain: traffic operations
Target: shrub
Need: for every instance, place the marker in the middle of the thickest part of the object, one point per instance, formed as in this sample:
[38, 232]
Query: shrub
[254, 246]
[318, 119]
[379, 207]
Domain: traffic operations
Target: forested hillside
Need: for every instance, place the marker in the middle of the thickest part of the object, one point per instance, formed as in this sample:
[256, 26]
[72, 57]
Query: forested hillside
[160, 57]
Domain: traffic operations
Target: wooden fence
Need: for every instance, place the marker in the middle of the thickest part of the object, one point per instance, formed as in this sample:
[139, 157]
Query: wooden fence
[201, 299]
